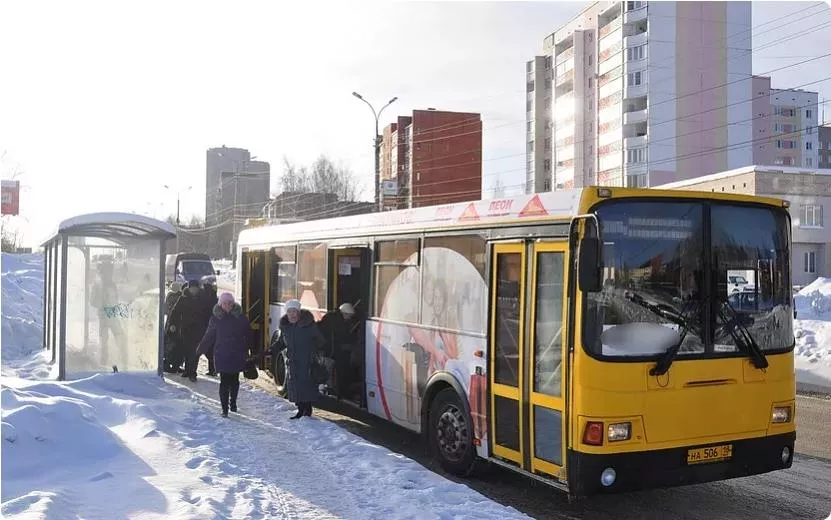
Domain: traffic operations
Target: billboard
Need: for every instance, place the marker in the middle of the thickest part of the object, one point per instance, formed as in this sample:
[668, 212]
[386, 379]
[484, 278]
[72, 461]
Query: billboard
[11, 197]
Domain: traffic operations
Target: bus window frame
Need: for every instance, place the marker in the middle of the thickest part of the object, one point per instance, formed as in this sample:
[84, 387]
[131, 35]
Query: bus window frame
[278, 300]
[376, 299]
[709, 352]
[322, 243]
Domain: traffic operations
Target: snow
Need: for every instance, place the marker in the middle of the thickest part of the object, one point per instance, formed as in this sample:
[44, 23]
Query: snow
[227, 279]
[136, 446]
[812, 329]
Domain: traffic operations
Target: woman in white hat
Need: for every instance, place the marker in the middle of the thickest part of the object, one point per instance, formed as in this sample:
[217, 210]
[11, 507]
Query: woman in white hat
[299, 336]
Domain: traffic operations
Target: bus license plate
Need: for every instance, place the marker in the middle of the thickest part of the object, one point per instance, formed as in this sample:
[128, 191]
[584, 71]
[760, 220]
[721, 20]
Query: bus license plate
[711, 454]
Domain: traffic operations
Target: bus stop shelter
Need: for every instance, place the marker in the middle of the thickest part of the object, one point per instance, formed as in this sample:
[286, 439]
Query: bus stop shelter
[103, 301]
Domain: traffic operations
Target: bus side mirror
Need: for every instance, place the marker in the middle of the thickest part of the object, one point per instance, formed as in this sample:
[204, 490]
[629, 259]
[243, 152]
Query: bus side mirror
[588, 268]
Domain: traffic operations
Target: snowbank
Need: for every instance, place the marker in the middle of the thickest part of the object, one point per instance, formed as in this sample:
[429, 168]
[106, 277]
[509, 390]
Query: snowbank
[813, 334]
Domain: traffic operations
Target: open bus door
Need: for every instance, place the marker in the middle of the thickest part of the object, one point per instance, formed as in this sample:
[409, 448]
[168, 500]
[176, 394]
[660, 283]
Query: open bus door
[255, 295]
[350, 269]
[528, 356]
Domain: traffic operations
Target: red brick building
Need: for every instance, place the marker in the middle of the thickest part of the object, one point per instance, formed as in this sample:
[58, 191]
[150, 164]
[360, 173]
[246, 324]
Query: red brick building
[431, 158]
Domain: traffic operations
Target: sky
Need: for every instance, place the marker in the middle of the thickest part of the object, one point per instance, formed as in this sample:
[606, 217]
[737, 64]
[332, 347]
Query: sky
[102, 104]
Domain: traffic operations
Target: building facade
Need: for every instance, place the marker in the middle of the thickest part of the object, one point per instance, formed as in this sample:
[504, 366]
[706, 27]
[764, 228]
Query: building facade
[824, 147]
[640, 93]
[809, 193]
[430, 158]
[785, 131]
[236, 188]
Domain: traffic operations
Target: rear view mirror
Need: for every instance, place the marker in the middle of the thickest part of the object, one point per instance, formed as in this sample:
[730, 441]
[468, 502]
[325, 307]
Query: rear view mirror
[589, 264]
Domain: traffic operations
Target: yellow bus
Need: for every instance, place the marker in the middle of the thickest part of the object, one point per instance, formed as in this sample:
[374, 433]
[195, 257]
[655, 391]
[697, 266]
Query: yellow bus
[586, 338]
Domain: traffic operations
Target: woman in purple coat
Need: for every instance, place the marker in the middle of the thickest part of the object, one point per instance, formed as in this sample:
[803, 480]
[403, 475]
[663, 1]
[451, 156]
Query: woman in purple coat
[230, 336]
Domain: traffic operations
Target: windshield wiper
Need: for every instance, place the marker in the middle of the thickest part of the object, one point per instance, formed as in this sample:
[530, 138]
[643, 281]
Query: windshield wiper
[742, 337]
[665, 361]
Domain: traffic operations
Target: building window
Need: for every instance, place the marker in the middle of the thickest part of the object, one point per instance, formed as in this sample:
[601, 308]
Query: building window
[636, 53]
[808, 114]
[811, 216]
[810, 262]
[809, 161]
[548, 102]
[635, 78]
[590, 82]
[529, 105]
[591, 60]
[631, 6]
[548, 61]
[636, 155]
[546, 185]
[784, 112]
[530, 87]
[548, 143]
[530, 148]
[809, 145]
[786, 144]
[783, 161]
[546, 166]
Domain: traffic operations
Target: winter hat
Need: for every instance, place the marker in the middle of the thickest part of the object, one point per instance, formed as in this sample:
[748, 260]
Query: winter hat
[293, 304]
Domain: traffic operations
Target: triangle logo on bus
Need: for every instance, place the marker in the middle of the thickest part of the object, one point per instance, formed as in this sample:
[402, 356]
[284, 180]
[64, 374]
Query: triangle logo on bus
[469, 213]
[534, 208]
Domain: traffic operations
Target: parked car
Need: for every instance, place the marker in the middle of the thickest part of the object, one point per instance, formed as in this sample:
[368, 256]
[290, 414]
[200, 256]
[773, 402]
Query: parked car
[187, 267]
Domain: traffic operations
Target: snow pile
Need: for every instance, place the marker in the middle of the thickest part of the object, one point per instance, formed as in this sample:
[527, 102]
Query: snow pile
[813, 333]
[227, 278]
[22, 315]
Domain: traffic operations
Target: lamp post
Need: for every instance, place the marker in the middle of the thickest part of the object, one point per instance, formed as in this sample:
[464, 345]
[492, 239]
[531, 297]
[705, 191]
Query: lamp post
[178, 214]
[377, 147]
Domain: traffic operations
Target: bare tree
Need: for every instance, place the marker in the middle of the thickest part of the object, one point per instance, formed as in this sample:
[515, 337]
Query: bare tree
[324, 176]
[294, 179]
[9, 237]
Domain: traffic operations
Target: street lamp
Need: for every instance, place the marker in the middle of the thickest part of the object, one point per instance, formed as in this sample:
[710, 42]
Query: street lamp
[377, 147]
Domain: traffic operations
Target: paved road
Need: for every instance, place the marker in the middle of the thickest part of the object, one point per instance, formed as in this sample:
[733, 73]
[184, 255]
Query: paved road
[803, 491]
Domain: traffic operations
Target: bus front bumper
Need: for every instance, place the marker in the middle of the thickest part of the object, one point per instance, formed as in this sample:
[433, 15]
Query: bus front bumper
[667, 468]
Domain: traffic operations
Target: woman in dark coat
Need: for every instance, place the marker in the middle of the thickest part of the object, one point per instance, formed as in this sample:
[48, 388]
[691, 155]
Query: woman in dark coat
[230, 336]
[299, 336]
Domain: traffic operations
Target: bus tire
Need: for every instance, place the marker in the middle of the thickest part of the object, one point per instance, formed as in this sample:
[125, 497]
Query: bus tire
[279, 372]
[451, 433]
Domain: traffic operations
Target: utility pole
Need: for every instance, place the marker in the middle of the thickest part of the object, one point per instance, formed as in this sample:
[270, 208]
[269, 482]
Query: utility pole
[178, 214]
[377, 115]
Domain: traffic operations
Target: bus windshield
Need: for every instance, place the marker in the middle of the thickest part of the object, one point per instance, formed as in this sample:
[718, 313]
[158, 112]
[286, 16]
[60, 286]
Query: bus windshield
[657, 294]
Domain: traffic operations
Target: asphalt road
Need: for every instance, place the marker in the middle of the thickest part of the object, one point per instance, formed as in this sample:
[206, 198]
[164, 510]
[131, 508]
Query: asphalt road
[803, 491]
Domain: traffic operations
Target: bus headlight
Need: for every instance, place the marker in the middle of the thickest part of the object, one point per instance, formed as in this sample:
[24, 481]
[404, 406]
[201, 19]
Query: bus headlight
[620, 432]
[781, 414]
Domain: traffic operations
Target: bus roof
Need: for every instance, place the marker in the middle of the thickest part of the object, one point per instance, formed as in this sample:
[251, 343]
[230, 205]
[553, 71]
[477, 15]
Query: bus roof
[549, 206]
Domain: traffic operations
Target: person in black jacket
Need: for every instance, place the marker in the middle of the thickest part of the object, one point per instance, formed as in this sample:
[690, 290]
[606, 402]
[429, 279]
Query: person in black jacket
[174, 354]
[193, 325]
[341, 330]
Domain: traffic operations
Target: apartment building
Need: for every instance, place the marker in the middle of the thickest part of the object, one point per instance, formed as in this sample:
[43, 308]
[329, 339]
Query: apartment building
[809, 193]
[824, 147]
[640, 93]
[785, 131]
[430, 158]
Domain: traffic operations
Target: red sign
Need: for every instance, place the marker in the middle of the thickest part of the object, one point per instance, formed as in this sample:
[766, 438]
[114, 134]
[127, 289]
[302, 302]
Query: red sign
[534, 208]
[11, 197]
[469, 213]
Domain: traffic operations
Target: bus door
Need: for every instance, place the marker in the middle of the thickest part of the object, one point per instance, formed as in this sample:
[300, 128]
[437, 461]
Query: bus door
[526, 353]
[350, 270]
[254, 295]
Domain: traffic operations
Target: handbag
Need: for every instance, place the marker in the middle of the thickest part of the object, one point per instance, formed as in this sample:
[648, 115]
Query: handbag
[250, 371]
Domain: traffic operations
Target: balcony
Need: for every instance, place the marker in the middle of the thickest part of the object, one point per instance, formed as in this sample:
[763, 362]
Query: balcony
[609, 27]
[564, 77]
[635, 142]
[636, 116]
[634, 91]
[635, 40]
[635, 15]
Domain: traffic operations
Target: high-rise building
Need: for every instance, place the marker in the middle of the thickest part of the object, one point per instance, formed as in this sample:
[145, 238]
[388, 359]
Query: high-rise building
[431, 158]
[640, 93]
[824, 160]
[785, 129]
[236, 188]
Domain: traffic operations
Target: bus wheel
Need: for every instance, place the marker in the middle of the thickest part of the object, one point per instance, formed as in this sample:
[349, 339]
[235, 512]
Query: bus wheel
[280, 373]
[451, 434]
